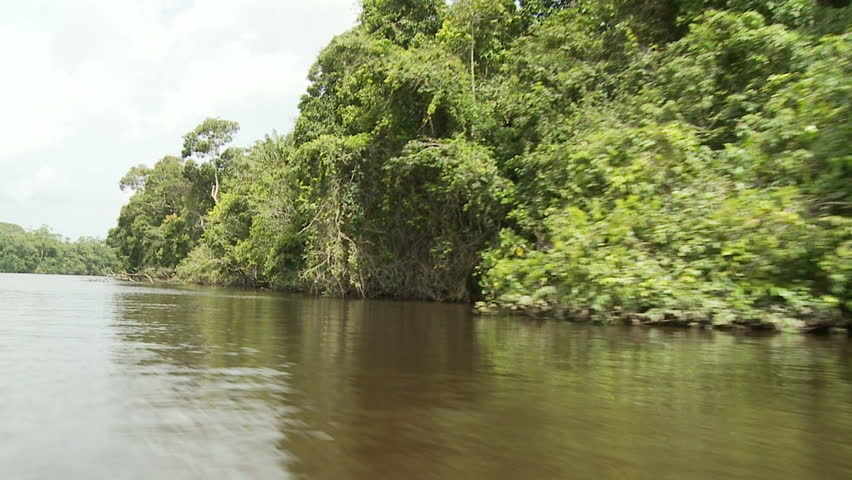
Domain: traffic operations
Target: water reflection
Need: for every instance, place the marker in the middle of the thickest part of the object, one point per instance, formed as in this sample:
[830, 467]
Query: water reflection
[205, 381]
[141, 382]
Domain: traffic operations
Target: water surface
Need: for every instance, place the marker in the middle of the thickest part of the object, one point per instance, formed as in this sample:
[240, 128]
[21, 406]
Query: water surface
[102, 379]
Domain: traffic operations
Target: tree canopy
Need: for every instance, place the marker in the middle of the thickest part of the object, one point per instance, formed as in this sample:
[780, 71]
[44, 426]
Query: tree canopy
[42, 251]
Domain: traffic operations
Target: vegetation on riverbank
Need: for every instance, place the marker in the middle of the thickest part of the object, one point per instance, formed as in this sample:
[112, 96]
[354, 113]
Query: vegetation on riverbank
[42, 251]
[662, 160]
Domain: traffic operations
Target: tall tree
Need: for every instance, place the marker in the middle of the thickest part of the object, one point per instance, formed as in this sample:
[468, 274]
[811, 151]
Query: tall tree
[480, 30]
[205, 144]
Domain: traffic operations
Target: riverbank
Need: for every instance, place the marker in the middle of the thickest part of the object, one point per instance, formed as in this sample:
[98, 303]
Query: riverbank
[655, 174]
[770, 321]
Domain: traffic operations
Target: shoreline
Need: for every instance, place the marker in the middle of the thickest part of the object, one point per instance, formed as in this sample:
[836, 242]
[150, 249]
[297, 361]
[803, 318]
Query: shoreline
[835, 326]
[685, 320]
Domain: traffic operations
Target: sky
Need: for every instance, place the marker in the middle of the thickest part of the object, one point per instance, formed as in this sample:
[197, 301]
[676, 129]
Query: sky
[89, 88]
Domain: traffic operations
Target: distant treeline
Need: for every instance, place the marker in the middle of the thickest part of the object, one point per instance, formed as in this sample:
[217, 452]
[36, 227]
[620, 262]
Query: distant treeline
[653, 160]
[41, 251]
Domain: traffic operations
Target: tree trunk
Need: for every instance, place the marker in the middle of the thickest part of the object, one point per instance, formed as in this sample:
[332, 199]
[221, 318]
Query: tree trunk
[472, 67]
[215, 191]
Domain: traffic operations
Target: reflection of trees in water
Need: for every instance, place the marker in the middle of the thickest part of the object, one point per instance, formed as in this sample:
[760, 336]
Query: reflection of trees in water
[206, 377]
[202, 330]
[356, 389]
[670, 400]
[378, 378]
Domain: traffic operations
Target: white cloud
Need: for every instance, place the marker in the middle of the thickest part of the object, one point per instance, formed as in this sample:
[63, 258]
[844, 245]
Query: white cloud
[44, 181]
[90, 87]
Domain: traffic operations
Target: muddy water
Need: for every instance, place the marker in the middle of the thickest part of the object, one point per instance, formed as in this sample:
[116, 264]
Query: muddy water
[102, 379]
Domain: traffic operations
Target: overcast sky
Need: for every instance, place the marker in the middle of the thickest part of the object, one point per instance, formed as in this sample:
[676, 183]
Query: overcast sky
[89, 88]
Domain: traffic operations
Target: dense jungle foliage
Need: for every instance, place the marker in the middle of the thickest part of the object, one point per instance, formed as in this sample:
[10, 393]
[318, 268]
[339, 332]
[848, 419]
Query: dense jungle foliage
[41, 251]
[653, 160]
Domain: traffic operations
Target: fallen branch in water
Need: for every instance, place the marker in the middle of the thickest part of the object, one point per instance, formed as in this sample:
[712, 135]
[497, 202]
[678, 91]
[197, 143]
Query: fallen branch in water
[133, 277]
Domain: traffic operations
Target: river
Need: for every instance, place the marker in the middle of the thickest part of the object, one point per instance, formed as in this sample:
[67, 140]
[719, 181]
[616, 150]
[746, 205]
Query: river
[101, 379]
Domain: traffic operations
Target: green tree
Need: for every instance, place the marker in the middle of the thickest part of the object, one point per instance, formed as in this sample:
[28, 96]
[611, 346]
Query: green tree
[206, 142]
[480, 30]
[42, 251]
[654, 161]
[401, 21]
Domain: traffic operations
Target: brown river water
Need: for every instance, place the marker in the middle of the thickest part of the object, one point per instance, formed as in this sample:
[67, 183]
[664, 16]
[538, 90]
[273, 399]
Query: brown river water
[101, 379]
